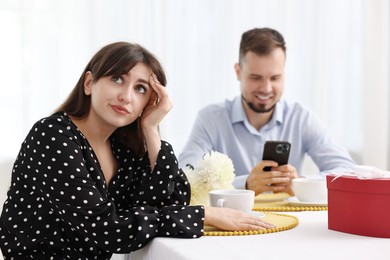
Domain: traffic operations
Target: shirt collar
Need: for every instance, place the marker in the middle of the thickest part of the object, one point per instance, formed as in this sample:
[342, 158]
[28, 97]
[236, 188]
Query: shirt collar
[277, 116]
[238, 113]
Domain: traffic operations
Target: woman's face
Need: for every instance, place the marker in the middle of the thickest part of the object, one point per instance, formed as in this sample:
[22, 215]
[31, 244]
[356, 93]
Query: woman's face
[118, 100]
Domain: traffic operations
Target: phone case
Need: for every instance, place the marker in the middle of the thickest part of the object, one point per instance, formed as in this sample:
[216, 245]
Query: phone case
[277, 151]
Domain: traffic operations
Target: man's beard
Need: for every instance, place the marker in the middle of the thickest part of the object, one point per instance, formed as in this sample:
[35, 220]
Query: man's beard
[261, 109]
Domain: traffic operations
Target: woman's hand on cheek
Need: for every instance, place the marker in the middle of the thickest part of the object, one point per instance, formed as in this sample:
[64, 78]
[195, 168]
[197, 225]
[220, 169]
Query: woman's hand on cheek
[158, 106]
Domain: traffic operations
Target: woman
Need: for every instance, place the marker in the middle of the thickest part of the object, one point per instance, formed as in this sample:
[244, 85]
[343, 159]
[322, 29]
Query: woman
[95, 179]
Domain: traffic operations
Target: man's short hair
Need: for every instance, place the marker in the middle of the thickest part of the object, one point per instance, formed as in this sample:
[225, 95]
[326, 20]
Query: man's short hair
[261, 41]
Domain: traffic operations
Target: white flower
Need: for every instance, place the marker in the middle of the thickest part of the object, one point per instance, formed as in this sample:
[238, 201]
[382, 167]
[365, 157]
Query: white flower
[215, 171]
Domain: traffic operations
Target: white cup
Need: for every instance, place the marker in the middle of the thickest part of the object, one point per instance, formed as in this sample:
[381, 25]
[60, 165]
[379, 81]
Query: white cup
[236, 199]
[310, 190]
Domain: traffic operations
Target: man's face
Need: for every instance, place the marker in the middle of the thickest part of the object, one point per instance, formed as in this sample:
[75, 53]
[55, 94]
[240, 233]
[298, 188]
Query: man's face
[262, 80]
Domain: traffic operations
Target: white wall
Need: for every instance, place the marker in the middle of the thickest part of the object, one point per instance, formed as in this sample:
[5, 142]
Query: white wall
[5, 179]
[376, 85]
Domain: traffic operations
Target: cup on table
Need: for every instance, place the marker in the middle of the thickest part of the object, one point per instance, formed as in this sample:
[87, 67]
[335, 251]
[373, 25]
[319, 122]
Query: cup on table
[310, 190]
[238, 199]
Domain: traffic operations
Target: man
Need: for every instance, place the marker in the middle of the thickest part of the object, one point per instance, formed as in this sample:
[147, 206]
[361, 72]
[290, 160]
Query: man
[240, 127]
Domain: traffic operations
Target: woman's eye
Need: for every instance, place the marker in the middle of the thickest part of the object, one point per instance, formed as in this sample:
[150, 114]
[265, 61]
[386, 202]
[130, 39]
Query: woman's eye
[117, 79]
[141, 89]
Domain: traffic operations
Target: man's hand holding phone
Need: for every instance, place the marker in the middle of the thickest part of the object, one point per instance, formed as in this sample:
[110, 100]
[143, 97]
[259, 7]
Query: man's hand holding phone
[278, 179]
[273, 173]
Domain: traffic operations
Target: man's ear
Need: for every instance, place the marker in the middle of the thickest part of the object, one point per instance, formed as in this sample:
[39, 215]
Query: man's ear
[238, 71]
[88, 83]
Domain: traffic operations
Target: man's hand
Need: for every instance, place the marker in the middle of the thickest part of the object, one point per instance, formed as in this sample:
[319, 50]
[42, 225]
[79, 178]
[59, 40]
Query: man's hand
[279, 179]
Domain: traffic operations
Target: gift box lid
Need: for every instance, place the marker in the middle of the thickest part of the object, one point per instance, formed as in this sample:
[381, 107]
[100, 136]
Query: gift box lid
[353, 184]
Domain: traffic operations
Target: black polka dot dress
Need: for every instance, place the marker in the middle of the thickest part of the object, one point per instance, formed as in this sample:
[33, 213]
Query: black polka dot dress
[59, 206]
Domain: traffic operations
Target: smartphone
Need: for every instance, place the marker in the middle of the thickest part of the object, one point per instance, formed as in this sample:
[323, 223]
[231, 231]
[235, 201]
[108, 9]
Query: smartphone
[277, 151]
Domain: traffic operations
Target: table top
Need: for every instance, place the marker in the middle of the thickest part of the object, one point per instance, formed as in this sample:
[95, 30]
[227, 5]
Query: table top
[310, 239]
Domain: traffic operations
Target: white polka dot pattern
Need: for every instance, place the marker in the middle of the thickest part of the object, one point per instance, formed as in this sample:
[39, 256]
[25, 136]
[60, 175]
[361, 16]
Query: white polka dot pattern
[59, 206]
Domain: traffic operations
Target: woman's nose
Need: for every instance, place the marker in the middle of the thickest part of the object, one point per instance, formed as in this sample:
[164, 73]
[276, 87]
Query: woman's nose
[126, 95]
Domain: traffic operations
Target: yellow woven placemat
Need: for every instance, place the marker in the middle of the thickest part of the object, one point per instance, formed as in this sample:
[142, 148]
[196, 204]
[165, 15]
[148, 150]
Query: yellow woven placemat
[271, 197]
[281, 221]
[286, 207]
[275, 202]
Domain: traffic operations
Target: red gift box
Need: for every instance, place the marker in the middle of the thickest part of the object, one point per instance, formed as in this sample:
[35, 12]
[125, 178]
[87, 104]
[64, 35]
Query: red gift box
[359, 206]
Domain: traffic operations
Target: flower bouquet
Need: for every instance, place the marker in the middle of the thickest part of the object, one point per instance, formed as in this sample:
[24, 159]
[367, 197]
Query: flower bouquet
[215, 171]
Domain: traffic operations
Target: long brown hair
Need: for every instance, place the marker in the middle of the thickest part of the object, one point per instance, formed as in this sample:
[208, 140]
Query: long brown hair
[114, 59]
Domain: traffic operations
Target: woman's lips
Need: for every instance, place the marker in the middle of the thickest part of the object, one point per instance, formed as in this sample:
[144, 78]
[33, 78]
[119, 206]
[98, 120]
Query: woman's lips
[120, 110]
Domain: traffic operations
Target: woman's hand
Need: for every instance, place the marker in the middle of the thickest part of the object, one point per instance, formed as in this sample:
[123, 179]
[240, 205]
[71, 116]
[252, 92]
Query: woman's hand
[158, 106]
[233, 220]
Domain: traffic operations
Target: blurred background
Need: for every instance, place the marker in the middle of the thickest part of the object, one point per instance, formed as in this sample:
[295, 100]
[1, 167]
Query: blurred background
[337, 60]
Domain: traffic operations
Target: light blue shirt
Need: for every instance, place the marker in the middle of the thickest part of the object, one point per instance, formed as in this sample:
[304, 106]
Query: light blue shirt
[224, 128]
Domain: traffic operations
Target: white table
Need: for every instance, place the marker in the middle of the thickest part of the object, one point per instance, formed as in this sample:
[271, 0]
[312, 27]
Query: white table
[311, 239]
